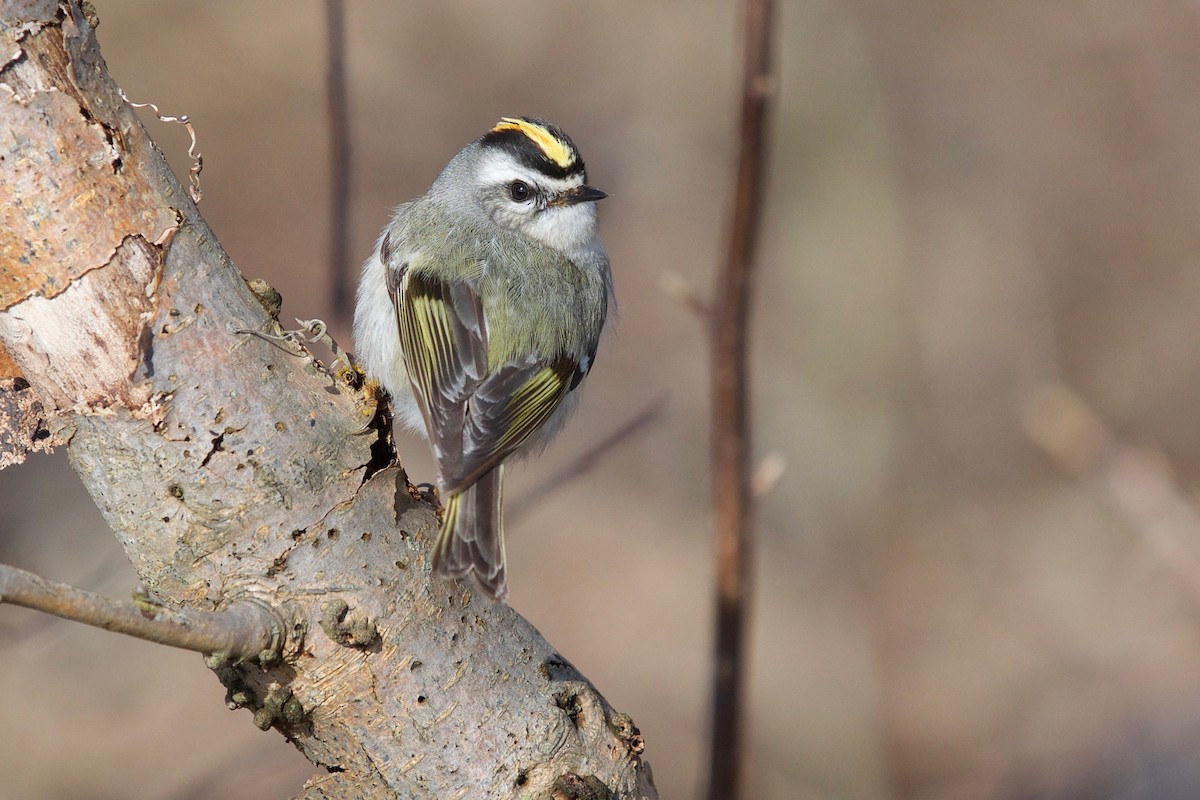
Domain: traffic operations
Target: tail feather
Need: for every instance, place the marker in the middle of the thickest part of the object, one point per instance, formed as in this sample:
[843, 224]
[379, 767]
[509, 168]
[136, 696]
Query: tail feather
[472, 535]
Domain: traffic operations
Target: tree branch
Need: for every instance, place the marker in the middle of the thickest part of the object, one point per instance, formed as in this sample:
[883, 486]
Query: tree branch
[731, 489]
[229, 468]
[246, 629]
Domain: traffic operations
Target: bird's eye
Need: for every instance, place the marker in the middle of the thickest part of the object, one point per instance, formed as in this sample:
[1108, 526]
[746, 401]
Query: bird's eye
[518, 191]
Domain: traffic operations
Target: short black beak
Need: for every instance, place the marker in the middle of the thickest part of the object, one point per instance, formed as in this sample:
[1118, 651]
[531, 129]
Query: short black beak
[582, 194]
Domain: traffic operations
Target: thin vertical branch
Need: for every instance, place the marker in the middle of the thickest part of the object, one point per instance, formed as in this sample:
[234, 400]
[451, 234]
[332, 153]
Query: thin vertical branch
[731, 419]
[339, 156]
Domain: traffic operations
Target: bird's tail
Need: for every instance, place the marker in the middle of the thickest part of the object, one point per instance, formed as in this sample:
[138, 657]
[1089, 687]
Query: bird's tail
[472, 535]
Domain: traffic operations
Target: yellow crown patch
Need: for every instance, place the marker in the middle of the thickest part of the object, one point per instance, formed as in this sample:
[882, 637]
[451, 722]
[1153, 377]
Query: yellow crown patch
[554, 148]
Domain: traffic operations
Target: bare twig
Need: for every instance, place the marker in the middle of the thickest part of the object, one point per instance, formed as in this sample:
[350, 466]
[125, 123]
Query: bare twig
[339, 155]
[732, 496]
[1137, 481]
[102, 572]
[588, 459]
[244, 630]
[679, 289]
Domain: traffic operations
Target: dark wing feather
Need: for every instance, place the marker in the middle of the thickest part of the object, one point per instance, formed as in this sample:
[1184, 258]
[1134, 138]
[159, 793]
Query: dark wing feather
[474, 419]
[507, 408]
[445, 349]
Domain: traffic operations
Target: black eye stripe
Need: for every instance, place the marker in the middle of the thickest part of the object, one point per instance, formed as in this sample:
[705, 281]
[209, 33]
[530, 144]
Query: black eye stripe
[526, 153]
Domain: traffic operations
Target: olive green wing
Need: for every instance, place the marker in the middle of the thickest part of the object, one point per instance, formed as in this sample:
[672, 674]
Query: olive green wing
[474, 418]
[444, 344]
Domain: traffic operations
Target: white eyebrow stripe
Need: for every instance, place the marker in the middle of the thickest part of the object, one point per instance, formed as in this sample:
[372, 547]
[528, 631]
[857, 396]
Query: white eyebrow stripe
[501, 168]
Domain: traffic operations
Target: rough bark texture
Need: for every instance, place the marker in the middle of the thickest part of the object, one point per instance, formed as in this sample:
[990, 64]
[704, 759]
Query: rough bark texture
[232, 468]
[25, 424]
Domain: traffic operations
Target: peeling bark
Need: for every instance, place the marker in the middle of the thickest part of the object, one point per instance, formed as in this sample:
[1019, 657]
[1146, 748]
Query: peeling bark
[232, 468]
[25, 424]
[8, 367]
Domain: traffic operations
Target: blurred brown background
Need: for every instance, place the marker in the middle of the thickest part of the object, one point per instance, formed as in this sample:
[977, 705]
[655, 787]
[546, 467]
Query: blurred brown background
[967, 202]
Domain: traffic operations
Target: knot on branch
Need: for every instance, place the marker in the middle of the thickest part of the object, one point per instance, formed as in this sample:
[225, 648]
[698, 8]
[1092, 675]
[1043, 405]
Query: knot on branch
[278, 706]
[349, 628]
[627, 733]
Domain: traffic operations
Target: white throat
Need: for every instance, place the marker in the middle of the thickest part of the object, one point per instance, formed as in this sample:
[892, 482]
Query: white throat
[565, 228]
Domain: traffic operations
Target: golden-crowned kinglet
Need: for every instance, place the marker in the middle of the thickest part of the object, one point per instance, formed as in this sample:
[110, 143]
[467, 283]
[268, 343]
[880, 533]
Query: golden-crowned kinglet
[480, 313]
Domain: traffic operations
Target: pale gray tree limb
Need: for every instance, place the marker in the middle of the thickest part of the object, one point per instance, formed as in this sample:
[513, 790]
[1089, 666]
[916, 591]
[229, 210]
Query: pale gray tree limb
[235, 470]
[243, 630]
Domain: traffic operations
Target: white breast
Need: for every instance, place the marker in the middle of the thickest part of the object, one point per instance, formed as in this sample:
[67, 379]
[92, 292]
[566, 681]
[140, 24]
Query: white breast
[377, 343]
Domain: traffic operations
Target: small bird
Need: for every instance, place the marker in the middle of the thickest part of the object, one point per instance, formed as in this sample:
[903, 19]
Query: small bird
[480, 313]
